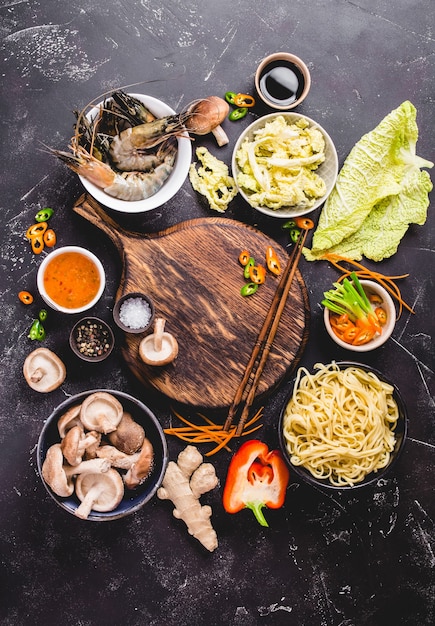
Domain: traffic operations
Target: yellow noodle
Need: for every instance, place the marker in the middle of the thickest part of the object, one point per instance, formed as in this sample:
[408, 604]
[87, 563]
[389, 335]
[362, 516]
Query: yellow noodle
[339, 424]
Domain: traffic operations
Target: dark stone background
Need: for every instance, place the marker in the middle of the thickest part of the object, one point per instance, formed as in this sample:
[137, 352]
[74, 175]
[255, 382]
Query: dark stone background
[364, 559]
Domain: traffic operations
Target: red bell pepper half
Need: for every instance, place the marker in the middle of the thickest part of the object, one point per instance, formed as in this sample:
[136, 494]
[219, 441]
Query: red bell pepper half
[257, 478]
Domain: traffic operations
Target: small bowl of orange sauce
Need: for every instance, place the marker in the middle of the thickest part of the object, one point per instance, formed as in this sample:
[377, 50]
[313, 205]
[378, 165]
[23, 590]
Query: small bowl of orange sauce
[71, 279]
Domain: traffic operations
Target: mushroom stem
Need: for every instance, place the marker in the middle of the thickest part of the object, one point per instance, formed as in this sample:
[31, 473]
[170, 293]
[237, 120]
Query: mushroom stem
[37, 375]
[92, 466]
[206, 116]
[159, 328]
[84, 509]
[140, 470]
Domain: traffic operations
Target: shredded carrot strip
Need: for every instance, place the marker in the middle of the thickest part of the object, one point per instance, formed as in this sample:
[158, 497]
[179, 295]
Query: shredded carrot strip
[363, 272]
[210, 432]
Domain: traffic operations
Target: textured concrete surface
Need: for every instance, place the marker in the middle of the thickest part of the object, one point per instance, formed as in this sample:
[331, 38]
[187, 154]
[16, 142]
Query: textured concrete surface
[364, 559]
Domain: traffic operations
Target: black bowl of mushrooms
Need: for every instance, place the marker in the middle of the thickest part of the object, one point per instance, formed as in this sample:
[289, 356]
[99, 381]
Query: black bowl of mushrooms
[102, 455]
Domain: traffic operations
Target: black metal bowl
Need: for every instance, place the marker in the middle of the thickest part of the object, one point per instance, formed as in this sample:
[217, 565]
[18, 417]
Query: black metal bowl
[400, 436]
[133, 500]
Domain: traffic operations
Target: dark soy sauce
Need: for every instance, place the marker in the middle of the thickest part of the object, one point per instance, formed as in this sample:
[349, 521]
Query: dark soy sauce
[282, 82]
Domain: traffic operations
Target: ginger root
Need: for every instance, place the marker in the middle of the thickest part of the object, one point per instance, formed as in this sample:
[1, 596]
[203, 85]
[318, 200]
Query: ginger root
[184, 483]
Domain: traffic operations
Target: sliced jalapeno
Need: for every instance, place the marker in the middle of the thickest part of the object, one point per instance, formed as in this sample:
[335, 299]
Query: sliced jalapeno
[237, 114]
[289, 224]
[42, 315]
[294, 234]
[44, 215]
[37, 331]
[229, 97]
[249, 264]
[249, 289]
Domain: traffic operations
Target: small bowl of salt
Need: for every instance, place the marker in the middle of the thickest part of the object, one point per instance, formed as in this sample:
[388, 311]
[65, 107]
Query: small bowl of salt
[134, 312]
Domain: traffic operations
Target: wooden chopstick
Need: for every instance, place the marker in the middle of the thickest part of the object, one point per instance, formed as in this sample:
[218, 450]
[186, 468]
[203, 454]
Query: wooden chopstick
[265, 338]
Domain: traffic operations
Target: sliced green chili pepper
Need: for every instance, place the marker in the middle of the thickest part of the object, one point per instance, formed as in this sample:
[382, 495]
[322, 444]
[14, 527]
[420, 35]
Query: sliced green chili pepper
[249, 289]
[249, 264]
[289, 224]
[294, 234]
[43, 215]
[229, 97]
[237, 114]
[37, 331]
[42, 315]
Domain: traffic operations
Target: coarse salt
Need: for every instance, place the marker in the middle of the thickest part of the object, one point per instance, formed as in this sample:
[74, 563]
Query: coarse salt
[135, 313]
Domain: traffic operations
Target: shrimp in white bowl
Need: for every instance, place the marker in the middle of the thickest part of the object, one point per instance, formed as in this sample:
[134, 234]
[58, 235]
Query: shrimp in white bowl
[128, 185]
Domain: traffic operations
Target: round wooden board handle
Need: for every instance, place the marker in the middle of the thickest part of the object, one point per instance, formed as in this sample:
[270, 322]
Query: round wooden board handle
[192, 273]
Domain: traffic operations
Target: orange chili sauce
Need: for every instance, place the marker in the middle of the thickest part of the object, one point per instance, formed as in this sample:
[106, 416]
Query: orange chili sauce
[72, 280]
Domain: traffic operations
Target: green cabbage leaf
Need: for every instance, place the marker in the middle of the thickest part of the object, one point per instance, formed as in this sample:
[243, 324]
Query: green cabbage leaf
[380, 190]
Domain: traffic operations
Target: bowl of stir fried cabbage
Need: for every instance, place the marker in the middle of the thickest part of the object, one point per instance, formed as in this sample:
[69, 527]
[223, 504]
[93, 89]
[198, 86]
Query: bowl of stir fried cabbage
[285, 164]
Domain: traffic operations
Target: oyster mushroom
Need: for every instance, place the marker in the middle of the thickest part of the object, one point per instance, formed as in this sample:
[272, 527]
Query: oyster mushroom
[129, 435]
[75, 443]
[206, 116]
[98, 492]
[139, 471]
[43, 370]
[102, 412]
[116, 457]
[159, 348]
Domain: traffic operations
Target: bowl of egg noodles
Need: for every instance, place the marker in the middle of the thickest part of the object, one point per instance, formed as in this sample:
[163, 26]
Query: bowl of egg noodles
[343, 425]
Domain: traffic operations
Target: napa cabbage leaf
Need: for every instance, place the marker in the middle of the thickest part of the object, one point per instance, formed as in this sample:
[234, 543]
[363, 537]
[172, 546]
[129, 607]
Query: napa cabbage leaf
[380, 190]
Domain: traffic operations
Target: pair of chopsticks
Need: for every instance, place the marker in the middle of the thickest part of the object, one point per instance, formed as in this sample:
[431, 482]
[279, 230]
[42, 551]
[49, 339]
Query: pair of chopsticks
[266, 336]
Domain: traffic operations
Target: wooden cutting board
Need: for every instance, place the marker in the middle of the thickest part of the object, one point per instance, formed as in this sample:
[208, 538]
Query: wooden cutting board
[192, 273]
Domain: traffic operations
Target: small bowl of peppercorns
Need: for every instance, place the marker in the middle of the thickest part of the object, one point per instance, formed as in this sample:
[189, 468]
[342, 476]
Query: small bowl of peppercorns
[91, 339]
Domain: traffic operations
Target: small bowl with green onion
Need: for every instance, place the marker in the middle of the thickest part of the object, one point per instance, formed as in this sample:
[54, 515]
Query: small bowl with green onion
[359, 315]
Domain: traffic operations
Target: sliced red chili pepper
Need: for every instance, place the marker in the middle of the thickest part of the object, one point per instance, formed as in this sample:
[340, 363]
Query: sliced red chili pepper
[340, 322]
[49, 238]
[257, 274]
[272, 261]
[36, 230]
[37, 243]
[244, 100]
[304, 222]
[381, 314]
[25, 297]
[350, 333]
[244, 257]
[364, 336]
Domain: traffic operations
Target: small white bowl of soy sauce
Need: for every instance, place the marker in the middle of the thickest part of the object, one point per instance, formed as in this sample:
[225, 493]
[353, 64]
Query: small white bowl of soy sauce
[282, 81]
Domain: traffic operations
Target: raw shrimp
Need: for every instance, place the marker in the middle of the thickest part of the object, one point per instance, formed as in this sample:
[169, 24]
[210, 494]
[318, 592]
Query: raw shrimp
[129, 186]
[148, 135]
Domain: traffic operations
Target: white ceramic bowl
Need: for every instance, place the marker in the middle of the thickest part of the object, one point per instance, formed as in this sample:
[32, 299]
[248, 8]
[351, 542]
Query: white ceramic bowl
[41, 272]
[370, 287]
[171, 186]
[328, 170]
